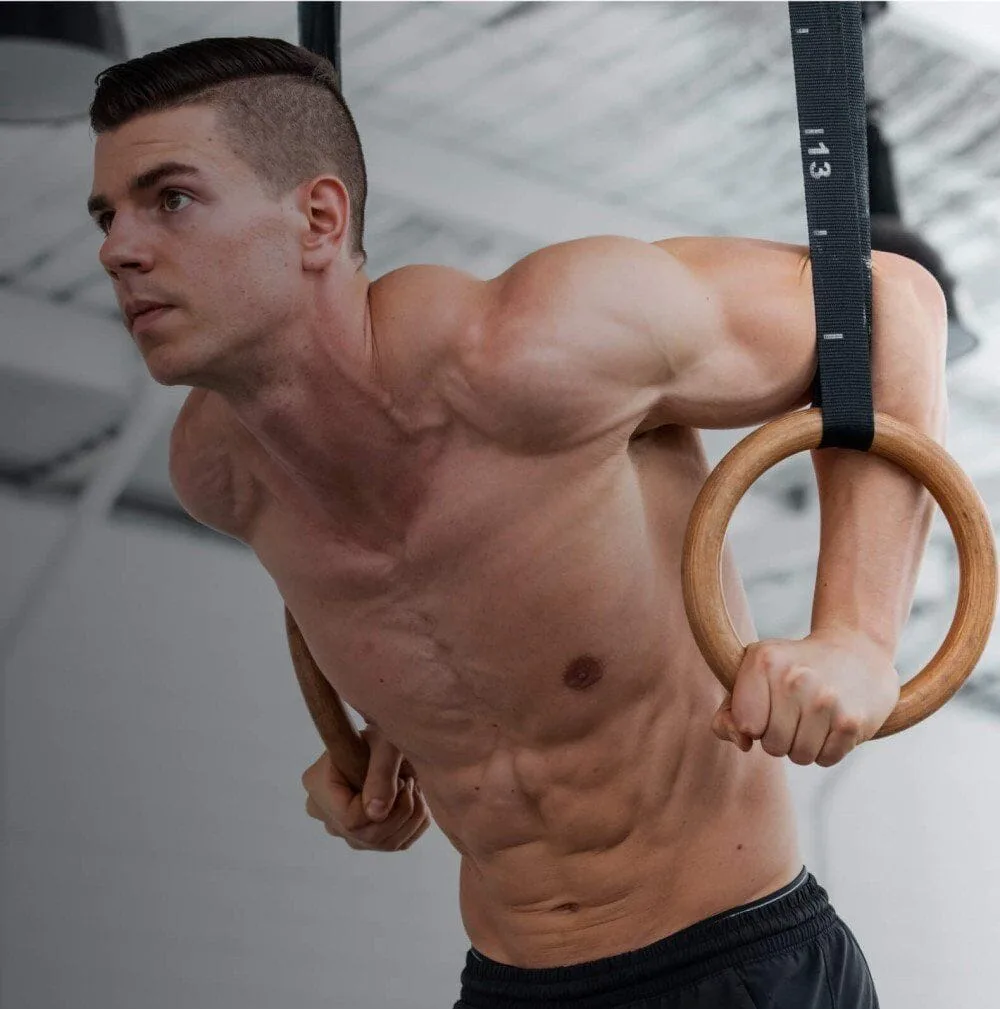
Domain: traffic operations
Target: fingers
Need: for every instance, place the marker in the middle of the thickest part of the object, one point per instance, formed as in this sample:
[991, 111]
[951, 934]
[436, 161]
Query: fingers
[342, 812]
[328, 788]
[787, 706]
[751, 698]
[332, 799]
[381, 781]
[408, 820]
[844, 737]
[377, 833]
[779, 735]
[725, 728]
[419, 831]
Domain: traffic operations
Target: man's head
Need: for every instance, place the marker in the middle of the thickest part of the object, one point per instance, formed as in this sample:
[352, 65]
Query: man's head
[225, 171]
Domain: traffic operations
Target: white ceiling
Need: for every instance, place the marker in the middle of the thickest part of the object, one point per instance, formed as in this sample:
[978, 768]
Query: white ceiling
[493, 128]
[972, 29]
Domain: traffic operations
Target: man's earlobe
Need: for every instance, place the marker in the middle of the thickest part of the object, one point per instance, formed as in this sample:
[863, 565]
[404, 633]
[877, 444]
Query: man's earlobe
[318, 252]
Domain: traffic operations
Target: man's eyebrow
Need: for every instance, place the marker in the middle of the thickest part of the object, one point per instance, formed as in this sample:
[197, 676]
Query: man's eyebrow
[99, 203]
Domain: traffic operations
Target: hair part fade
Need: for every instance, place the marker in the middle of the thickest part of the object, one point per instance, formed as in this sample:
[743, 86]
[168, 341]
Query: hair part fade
[279, 108]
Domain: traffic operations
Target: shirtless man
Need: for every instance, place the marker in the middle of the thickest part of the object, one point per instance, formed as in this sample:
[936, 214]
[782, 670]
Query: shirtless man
[472, 497]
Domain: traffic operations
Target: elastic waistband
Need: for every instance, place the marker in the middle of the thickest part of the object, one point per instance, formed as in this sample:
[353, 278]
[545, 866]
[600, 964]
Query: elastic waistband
[796, 913]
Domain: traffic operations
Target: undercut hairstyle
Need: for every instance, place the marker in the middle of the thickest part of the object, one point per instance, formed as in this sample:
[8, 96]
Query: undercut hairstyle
[279, 109]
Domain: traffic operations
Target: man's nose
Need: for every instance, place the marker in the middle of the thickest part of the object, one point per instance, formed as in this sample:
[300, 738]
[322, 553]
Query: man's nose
[125, 249]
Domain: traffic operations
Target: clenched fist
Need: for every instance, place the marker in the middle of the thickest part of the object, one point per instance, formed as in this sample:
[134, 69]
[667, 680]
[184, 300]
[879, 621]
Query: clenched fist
[813, 700]
[389, 814]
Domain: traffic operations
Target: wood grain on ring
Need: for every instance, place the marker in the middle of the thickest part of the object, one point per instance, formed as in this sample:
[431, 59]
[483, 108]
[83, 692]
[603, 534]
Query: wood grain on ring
[347, 748]
[924, 459]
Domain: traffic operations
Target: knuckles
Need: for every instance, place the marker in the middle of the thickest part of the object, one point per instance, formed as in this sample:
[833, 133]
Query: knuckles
[846, 725]
[764, 656]
[824, 701]
[795, 679]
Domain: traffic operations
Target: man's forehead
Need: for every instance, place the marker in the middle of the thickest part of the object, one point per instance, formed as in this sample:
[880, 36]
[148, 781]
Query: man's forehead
[172, 135]
[130, 154]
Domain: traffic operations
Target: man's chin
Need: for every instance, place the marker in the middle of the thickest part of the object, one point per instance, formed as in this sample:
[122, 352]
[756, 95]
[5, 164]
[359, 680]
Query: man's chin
[166, 368]
[172, 379]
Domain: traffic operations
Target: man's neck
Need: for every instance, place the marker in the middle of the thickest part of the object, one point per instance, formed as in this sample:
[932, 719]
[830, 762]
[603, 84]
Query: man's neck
[320, 408]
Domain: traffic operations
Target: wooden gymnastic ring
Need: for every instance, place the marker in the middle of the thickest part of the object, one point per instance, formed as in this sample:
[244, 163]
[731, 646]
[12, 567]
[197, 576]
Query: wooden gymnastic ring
[347, 748]
[917, 454]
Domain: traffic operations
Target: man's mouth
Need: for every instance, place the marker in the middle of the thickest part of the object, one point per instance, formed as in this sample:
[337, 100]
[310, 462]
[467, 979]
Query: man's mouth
[147, 316]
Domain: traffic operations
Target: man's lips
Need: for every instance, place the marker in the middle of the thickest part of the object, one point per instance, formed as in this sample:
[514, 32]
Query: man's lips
[147, 315]
[133, 308]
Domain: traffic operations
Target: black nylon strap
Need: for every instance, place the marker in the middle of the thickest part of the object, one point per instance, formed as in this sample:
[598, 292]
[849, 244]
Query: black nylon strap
[830, 91]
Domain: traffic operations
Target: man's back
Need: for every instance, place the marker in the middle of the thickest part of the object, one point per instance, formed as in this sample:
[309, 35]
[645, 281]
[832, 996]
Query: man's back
[521, 638]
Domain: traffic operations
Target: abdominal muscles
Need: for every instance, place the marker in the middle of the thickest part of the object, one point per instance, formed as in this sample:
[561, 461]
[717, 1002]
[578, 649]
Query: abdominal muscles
[532, 661]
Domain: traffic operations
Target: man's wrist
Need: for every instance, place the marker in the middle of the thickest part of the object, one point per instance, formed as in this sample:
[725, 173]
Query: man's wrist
[865, 639]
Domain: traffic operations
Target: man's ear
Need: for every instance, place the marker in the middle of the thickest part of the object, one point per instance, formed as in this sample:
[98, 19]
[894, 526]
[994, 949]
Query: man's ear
[326, 208]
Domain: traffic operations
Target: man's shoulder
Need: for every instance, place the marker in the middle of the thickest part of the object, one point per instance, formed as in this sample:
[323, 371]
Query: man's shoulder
[547, 349]
[539, 288]
[441, 300]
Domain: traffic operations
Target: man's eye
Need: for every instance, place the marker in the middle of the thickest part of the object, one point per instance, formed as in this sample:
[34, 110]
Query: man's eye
[169, 195]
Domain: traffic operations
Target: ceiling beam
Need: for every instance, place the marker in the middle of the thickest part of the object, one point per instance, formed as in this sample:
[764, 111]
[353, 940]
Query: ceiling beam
[971, 30]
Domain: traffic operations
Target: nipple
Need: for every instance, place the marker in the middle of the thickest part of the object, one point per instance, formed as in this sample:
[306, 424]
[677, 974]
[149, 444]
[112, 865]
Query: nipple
[583, 672]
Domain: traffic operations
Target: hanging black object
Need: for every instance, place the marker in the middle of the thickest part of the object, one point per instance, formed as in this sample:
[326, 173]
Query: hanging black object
[319, 32]
[830, 92]
[50, 54]
[891, 234]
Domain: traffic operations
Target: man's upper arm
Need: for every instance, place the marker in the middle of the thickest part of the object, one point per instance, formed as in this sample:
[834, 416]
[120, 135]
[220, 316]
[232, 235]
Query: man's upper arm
[618, 334]
[701, 332]
[765, 362]
[761, 361]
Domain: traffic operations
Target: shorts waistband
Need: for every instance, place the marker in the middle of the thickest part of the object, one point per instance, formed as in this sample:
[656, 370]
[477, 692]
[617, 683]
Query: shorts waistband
[796, 913]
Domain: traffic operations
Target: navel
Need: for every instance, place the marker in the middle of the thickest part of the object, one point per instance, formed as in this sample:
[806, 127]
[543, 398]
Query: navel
[583, 672]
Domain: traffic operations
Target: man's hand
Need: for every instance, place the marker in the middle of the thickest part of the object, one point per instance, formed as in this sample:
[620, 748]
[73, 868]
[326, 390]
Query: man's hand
[813, 700]
[358, 818]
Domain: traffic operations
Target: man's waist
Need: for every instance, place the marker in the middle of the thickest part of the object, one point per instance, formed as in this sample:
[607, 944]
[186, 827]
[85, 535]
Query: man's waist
[583, 907]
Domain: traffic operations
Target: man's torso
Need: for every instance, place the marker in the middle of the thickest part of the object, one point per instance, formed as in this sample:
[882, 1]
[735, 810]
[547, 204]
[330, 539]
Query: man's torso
[523, 642]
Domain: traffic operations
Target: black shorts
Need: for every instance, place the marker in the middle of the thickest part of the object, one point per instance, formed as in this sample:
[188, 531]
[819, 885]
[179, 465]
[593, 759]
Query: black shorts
[788, 950]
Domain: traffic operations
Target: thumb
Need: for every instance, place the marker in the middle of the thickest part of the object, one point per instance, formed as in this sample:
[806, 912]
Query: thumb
[751, 698]
[382, 779]
[725, 728]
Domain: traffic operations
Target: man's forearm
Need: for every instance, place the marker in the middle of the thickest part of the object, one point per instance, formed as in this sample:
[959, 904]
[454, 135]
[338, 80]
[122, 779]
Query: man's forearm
[875, 517]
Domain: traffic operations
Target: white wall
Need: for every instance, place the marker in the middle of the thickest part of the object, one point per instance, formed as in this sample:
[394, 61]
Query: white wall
[911, 859]
[158, 853]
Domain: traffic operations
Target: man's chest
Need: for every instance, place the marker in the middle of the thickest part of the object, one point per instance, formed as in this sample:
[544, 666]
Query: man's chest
[516, 593]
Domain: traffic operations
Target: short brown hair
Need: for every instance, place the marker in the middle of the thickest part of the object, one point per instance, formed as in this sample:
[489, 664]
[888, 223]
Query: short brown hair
[279, 107]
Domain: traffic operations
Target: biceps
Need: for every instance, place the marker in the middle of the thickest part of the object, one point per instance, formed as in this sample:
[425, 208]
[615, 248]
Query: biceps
[730, 390]
[761, 359]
